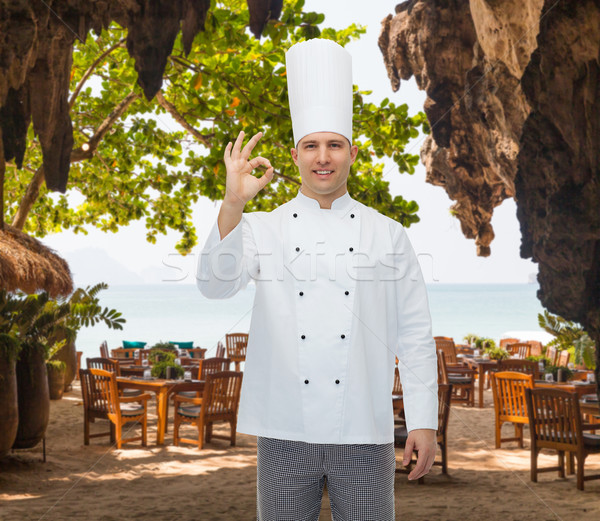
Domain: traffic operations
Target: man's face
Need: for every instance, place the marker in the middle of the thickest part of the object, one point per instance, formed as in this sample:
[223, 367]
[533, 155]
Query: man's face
[324, 160]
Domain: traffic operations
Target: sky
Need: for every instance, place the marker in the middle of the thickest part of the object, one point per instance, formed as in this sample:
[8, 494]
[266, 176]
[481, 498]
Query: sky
[445, 255]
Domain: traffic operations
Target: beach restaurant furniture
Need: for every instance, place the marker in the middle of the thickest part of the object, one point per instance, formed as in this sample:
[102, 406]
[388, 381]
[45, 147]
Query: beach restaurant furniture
[208, 366]
[508, 388]
[505, 341]
[555, 423]
[124, 355]
[401, 434]
[578, 387]
[220, 350]
[519, 350]
[556, 357]
[93, 408]
[104, 349]
[536, 347]
[521, 366]
[114, 367]
[460, 376]
[162, 389]
[120, 410]
[219, 403]
[397, 396]
[236, 344]
[482, 366]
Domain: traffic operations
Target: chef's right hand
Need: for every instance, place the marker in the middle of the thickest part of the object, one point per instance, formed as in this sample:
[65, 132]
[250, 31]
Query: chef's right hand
[241, 186]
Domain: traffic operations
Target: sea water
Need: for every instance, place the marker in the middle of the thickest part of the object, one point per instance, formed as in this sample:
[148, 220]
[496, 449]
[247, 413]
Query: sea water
[180, 313]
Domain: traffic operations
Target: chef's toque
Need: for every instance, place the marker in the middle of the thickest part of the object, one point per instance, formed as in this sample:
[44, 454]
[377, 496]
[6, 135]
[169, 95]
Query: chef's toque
[319, 77]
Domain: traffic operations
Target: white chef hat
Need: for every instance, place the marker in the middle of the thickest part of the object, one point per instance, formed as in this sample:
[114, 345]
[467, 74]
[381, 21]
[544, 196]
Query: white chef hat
[319, 77]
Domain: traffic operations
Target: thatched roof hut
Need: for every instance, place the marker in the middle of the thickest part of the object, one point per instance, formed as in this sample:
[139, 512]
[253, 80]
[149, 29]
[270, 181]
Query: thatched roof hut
[28, 265]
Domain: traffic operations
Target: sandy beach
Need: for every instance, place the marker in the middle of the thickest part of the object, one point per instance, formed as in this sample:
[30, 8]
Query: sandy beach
[97, 482]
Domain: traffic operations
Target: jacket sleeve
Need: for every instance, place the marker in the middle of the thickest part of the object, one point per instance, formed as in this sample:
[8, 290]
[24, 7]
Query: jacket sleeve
[227, 265]
[416, 348]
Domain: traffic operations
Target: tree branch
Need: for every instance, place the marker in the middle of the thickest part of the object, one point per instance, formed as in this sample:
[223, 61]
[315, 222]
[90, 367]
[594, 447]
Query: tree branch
[177, 116]
[90, 69]
[79, 154]
[31, 194]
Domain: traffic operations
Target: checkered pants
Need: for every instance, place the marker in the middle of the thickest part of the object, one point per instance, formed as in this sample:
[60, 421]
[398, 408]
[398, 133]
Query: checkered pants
[291, 476]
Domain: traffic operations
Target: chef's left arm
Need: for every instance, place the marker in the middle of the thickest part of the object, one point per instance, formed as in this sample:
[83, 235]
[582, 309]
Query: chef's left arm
[417, 356]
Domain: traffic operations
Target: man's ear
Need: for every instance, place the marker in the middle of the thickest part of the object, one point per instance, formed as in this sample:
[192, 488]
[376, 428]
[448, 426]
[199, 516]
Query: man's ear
[353, 153]
[294, 153]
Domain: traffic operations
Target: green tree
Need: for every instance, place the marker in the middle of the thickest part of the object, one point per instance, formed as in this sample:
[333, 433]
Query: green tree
[138, 159]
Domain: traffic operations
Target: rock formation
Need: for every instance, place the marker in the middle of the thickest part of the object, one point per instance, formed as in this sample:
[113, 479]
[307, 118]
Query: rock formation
[36, 45]
[513, 100]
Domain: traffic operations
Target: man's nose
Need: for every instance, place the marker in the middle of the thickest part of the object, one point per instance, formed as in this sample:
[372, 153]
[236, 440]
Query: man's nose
[323, 155]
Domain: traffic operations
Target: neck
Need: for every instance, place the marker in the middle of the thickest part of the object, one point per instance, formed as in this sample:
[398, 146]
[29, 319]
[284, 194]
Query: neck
[325, 200]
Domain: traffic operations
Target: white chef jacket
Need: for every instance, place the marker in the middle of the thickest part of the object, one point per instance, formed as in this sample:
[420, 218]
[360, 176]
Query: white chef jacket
[339, 294]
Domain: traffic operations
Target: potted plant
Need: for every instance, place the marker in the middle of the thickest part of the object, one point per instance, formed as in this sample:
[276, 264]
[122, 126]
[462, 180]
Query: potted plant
[161, 351]
[38, 320]
[470, 339]
[9, 405]
[497, 353]
[56, 378]
[559, 373]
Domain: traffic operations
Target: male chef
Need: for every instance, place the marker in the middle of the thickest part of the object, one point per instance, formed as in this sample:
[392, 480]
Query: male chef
[339, 295]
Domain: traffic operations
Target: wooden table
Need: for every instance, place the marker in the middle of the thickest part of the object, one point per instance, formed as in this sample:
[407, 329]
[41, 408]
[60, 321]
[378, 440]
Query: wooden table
[591, 410]
[482, 366]
[580, 389]
[162, 389]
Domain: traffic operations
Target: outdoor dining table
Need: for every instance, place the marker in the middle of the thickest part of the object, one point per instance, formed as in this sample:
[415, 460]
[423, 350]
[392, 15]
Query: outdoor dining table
[483, 366]
[591, 410]
[162, 389]
[580, 388]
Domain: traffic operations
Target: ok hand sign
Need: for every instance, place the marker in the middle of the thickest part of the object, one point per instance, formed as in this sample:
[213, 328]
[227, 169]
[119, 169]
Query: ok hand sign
[241, 186]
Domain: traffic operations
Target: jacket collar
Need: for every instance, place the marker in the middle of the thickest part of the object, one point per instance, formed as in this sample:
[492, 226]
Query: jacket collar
[342, 203]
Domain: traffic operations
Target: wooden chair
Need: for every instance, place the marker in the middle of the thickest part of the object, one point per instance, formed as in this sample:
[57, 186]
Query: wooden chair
[506, 341]
[139, 355]
[508, 389]
[536, 347]
[213, 365]
[563, 358]
[220, 350]
[207, 366]
[519, 350]
[441, 367]
[236, 344]
[397, 397]
[122, 354]
[219, 402]
[197, 353]
[447, 347]
[93, 408]
[520, 366]
[103, 363]
[461, 377]
[552, 354]
[401, 435]
[120, 410]
[555, 423]
[108, 364]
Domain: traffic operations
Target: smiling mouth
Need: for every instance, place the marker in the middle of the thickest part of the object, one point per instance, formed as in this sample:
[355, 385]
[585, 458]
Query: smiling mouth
[323, 172]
